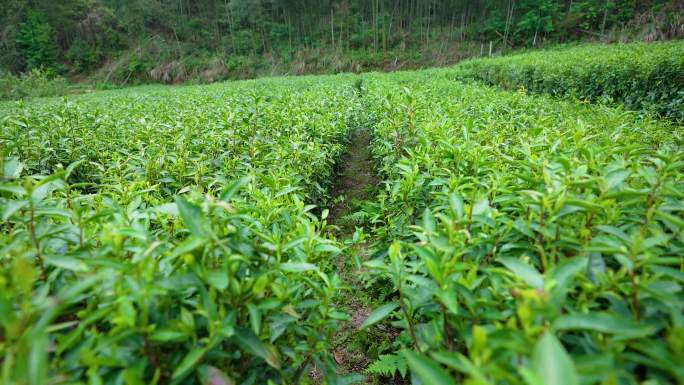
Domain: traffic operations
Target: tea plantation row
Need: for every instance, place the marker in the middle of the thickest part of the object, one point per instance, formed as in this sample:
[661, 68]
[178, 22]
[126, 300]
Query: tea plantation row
[639, 76]
[167, 236]
[532, 241]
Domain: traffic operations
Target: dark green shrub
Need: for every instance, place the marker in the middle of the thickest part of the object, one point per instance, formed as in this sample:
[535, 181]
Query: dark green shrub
[82, 56]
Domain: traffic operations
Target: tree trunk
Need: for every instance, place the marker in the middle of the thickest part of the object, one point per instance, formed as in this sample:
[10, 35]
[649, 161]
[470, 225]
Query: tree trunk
[509, 17]
[605, 16]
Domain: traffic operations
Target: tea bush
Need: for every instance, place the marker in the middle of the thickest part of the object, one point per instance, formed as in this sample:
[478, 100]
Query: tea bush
[35, 83]
[529, 241]
[639, 76]
[162, 236]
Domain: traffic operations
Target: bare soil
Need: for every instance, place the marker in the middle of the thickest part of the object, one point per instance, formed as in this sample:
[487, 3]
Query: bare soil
[355, 182]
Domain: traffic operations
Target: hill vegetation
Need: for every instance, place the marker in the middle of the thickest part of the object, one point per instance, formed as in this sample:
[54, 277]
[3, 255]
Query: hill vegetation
[125, 42]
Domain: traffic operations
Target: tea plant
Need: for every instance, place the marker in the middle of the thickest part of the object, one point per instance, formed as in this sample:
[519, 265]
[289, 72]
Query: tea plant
[531, 241]
[639, 76]
[162, 236]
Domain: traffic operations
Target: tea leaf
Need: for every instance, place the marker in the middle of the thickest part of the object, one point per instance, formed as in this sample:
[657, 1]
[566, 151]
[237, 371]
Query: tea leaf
[379, 314]
[193, 217]
[603, 323]
[189, 362]
[551, 362]
[250, 343]
[297, 267]
[426, 369]
[210, 375]
[524, 271]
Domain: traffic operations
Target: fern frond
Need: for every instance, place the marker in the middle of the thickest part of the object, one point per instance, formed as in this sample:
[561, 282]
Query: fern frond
[355, 217]
[388, 365]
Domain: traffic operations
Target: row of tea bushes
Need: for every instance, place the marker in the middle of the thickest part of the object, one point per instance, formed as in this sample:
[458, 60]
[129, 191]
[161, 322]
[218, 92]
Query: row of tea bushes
[166, 236]
[639, 76]
[526, 240]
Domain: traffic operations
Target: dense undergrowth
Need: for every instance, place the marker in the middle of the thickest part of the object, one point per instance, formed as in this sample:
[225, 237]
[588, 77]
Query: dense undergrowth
[638, 76]
[179, 236]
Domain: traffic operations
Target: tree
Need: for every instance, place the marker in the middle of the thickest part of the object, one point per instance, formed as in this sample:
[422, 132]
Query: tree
[35, 43]
[537, 16]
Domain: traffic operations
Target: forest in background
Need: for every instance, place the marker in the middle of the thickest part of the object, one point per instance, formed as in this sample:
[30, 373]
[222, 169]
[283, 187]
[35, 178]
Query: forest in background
[123, 42]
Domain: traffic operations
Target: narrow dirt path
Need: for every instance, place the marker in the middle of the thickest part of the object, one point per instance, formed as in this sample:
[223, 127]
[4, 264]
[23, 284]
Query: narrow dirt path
[355, 183]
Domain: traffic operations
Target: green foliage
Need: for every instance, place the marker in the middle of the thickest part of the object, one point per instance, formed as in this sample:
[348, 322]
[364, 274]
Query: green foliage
[641, 76]
[82, 56]
[537, 17]
[528, 240]
[173, 235]
[176, 243]
[34, 83]
[379, 314]
[179, 41]
[35, 42]
[551, 363]
[387, 365]
[427, 370]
